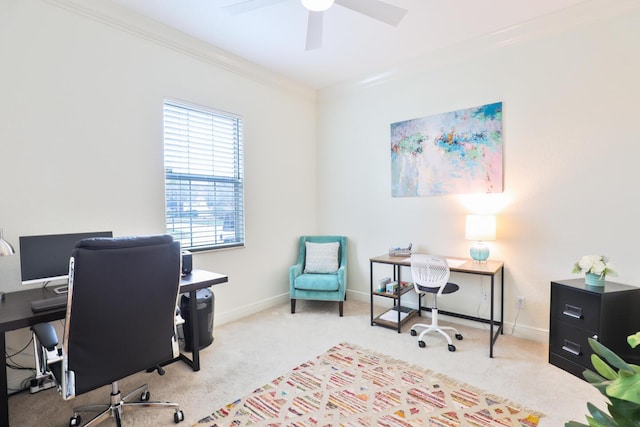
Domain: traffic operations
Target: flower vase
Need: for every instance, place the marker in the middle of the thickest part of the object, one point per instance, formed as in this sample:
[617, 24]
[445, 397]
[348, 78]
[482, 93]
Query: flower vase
[592, 279]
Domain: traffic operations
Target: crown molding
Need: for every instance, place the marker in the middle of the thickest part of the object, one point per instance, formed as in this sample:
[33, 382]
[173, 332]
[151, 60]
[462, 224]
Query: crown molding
[123, 19]
[118, 17]
[581, 14]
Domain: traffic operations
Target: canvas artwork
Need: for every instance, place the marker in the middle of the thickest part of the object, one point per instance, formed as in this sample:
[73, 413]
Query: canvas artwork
[459, 152]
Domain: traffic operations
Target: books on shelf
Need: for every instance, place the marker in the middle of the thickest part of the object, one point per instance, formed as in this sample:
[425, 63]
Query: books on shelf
[392, 288]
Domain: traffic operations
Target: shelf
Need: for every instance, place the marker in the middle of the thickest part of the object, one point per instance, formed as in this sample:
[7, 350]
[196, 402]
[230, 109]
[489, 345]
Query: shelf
[410, 312]
[406, 287]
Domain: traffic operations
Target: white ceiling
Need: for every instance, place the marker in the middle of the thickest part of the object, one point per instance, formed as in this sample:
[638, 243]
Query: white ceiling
[354, 45]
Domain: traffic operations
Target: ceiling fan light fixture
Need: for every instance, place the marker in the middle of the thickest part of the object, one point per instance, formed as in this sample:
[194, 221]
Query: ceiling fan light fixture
[317, 5]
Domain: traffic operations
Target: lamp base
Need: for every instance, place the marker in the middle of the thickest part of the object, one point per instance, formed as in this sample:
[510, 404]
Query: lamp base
[479, 252]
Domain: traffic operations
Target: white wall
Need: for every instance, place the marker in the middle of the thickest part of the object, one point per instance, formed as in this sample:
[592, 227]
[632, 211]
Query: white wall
[81, 144]
[570, 89]
[81, 90]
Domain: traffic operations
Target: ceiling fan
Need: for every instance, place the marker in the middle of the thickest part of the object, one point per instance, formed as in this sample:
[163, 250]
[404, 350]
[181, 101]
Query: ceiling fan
[375, 9]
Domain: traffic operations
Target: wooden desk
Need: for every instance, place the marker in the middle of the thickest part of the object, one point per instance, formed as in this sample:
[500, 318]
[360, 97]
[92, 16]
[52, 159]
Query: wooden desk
[15, 313]
[489, 268]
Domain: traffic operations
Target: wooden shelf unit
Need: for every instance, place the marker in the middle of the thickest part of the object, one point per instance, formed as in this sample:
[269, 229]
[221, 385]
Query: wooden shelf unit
[397, 297]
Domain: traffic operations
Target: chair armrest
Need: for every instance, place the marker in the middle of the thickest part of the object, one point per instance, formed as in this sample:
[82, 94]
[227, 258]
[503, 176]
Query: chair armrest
[342, 276]
[46, 334]
[295, 271]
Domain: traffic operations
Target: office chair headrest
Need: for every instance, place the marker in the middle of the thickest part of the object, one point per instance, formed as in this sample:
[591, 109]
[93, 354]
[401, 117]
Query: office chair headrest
[123, 242]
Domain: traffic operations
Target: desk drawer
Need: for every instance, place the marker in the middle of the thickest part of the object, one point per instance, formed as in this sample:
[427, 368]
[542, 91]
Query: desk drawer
[567, 365]
[571, 343]
[580, 309]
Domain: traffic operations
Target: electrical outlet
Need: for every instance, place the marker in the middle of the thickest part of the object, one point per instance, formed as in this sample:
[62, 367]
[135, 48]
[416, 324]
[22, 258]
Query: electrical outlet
[484, 295]
[521, 301]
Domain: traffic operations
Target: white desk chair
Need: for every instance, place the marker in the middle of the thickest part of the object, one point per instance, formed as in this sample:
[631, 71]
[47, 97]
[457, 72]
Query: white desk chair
[430, 275]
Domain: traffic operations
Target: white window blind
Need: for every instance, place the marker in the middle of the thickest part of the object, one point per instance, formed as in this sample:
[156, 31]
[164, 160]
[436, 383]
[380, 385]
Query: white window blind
[203, 176]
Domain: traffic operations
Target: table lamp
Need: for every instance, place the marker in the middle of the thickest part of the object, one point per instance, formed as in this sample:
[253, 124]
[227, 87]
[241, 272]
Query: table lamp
[5, 247]
[480, 228]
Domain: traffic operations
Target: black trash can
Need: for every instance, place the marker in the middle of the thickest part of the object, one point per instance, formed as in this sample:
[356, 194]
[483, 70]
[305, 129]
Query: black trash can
[204, 316]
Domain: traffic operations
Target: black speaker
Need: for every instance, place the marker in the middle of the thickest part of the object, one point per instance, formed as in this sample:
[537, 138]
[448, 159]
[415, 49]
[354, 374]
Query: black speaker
[187, 263]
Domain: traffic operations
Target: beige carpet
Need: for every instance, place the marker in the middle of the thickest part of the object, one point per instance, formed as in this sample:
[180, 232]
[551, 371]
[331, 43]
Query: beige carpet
[249, 353]
[352, 386]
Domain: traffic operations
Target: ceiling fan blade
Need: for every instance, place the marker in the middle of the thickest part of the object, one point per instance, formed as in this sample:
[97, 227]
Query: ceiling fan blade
[314, 31]
[376, 9]
[248, 5]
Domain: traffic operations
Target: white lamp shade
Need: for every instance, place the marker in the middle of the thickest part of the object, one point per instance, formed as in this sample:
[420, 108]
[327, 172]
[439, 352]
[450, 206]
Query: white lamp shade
[480, 227]
[5, 247]
[317, 5]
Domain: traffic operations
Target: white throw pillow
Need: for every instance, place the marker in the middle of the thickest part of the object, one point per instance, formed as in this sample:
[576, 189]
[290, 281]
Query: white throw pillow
[321, 257]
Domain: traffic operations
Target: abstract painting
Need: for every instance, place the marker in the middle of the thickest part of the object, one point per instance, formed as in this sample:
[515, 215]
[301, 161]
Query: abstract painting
[459, 152]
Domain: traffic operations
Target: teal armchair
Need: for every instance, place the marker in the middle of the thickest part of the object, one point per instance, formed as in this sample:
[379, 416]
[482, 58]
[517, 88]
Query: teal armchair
[321, 271]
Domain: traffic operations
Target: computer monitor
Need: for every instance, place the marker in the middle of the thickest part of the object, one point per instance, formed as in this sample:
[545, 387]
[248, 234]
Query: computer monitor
[46, 258]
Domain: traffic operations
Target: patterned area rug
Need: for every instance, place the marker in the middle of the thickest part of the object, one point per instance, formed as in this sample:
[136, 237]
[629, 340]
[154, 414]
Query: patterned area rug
[350, 386]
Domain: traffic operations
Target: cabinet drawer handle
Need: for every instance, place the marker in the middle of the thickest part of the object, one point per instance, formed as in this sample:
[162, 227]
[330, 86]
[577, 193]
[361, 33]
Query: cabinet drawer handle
[572, 347]
[573, 311]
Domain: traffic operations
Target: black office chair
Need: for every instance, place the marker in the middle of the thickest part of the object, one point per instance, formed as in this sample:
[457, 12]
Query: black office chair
[120, 320]
[431, 275]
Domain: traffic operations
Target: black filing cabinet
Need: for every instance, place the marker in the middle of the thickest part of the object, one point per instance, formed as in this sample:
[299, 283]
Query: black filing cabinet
[578, 312]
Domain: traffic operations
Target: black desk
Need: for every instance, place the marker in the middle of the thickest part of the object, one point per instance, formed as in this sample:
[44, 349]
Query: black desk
[15, 313]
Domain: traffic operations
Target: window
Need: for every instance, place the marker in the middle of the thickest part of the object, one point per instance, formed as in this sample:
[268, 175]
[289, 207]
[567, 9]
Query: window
[204, 190]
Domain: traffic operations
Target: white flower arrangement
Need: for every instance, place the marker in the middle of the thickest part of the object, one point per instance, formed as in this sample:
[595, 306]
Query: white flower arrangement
[595, 264]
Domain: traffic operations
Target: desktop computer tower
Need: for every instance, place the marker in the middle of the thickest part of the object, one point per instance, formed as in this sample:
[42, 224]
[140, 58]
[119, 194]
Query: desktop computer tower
[204, 316]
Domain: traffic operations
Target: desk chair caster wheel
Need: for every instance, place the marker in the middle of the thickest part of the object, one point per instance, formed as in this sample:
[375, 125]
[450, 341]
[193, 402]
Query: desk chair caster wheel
[178, 416]
[145, 396]
[413, 333]
[75, 421]
[421, 344]
[459, 337]
[452, 347]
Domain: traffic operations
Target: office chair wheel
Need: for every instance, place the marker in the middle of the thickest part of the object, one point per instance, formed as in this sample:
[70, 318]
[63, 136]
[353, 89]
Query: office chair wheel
[75, 421]
[413, 333]
[422, 344]
[145, 396]
[459, 337]
[178, 416]
[452, 347]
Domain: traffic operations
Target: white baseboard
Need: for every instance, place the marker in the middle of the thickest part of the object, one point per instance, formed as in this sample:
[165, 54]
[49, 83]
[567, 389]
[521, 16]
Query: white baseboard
[520, 330]
[247, 310]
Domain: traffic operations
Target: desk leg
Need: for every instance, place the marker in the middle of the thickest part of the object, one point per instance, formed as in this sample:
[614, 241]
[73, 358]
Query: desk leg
[399, 304]
[194, 362]
[491, 321]
[195, 333]
[4, 395]
[502, 301]
[371, 290]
